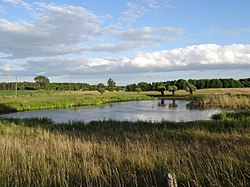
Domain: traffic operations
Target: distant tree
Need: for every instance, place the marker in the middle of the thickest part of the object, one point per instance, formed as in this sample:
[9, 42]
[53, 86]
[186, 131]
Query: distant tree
[130, 87]
[42, 81]
[181, 83]
[111, 85]
[101, 88]
[144, 86]
[190, 88]
[138, 90]
[245, 82]
[161, 88]
[172, 89]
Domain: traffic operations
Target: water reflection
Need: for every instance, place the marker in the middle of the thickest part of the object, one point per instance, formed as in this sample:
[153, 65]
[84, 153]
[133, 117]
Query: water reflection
[173, 104]
[161, 103]
[155, 110]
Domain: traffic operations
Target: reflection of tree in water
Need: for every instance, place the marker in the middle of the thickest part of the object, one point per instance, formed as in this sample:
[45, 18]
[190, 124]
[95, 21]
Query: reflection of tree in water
[173, 104]
[161, 104]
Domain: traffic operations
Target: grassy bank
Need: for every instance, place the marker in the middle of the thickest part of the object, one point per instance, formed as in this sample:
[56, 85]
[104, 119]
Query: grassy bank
[33, 100]
[223, 101]
[64, 100]
[35, 152]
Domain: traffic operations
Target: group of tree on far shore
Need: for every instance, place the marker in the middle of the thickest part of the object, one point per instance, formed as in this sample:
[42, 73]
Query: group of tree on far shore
[43, 82]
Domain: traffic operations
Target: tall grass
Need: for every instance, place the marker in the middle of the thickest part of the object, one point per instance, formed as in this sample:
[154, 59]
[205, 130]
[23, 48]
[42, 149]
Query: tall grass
[35, 152]
[224, 101]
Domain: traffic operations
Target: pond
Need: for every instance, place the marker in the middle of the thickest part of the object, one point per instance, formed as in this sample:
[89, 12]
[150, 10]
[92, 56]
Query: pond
[153, 110]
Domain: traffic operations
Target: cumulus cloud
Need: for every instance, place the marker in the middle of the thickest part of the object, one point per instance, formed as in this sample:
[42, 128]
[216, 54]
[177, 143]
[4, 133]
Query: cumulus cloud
[57, 30]
[61, 30]
[196, 57]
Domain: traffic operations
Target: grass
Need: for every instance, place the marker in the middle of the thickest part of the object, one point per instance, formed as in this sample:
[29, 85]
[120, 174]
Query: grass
[224, 101]
[64, 100]
[40, 99]
[35, 152]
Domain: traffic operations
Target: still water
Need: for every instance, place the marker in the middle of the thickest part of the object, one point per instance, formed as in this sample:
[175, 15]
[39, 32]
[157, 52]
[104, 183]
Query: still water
[153, 110]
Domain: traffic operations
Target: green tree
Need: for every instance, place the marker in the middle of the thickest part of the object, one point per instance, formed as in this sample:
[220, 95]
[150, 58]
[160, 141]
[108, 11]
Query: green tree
[42, 81]
[190, 88]
[101, 88]
[172, 89]
[161, 88]
[111, 85]
[138, 90]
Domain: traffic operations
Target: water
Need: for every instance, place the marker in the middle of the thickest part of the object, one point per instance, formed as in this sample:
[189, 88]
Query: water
[156, 110]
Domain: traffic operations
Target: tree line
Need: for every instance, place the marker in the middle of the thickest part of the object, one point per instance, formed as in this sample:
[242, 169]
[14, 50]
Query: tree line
[182, 84]
[43, 82]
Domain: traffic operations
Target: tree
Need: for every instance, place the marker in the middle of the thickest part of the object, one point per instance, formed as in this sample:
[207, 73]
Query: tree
[144, 86]
[190, 88]
[172, 89]
[42, 81]
[101, 88]
[138, 90]
[161, 88]
[111, 85]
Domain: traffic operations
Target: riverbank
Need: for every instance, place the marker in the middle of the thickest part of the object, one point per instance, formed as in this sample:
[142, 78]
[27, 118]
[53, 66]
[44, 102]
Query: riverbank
[35, 152]
[235, 98]
[58, 100]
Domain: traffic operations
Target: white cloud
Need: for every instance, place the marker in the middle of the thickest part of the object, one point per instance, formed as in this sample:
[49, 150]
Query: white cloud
[136, 38]
[19, 3]
[57, 30]
[196, 57]
[62, 30]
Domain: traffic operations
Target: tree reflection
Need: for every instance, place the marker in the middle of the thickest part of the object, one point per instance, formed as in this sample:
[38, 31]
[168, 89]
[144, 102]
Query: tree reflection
[173, 104]
[161, 104]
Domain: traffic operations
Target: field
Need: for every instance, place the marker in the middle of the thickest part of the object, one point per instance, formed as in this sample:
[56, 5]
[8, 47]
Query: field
[50, 100]
[35, 152]
[33, 100]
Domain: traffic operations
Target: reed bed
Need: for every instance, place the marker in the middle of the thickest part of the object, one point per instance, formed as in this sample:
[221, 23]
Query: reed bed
[36, 152]
[224, 101]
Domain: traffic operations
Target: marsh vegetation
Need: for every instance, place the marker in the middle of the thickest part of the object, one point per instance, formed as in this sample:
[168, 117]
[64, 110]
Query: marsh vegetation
[35, 152]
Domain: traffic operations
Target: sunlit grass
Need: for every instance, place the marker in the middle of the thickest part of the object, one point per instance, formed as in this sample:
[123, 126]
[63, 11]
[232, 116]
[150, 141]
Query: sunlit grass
[207, 153]
[65, 100]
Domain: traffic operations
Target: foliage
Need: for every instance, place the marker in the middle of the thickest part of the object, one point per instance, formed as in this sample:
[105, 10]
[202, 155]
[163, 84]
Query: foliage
[42, 81]
[172, 89]
[111, 85]
[138, 90]
[101, 88]
[161, 88]
[190, 88]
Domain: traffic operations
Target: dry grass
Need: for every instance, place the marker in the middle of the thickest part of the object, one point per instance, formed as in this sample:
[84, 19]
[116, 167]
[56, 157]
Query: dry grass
[124, 154]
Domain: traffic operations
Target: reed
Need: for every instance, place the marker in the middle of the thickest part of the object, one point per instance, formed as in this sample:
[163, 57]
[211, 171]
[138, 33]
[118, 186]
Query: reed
[36, 152]
[224, 101]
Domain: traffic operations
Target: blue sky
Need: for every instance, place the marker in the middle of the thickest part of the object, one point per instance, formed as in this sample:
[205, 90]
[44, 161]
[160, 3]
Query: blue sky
[129, 41]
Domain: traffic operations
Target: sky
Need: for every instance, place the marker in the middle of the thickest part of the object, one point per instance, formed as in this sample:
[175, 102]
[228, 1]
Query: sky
[128, 41]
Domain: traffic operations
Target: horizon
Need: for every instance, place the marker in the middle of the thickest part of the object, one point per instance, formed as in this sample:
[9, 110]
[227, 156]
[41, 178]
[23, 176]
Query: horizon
[128, 41]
